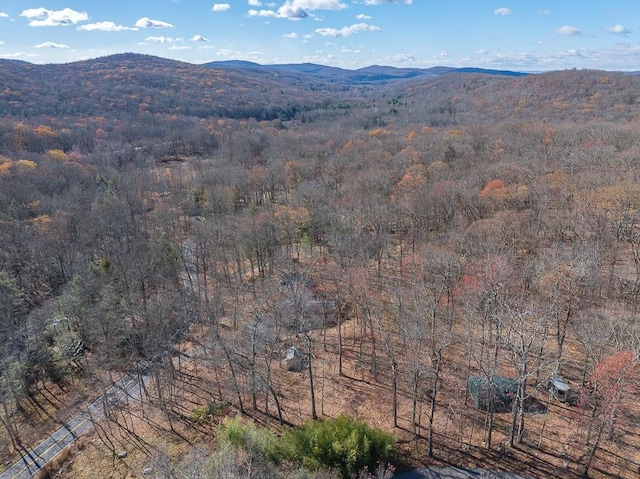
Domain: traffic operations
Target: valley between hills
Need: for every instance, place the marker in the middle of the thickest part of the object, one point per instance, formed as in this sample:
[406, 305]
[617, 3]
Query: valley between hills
[316, 272]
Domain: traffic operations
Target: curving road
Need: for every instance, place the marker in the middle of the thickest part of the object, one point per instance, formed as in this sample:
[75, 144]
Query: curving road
[452, 472]
[130, 386]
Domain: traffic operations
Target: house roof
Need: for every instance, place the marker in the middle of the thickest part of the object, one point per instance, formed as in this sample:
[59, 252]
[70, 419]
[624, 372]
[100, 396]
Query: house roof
[502, 384]
[495, 392]
[560, 385]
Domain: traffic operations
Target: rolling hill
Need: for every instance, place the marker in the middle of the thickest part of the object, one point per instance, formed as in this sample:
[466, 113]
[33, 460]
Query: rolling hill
[126, 85]
[367, 75]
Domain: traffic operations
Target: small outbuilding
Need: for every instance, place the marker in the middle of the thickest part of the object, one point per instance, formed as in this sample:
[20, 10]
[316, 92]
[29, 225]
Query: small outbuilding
[492, 393]
[559, 388]
[292, 360]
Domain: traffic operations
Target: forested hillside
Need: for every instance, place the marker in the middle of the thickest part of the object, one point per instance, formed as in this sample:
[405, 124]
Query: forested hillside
[410, 239]
[127, 85]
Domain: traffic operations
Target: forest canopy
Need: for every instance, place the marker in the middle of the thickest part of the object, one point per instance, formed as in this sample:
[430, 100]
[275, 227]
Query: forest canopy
[404, 237]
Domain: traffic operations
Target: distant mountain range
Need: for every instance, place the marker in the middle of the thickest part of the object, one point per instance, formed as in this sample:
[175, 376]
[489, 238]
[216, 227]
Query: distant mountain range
[130, 85]
[127, 84]
[370, 74]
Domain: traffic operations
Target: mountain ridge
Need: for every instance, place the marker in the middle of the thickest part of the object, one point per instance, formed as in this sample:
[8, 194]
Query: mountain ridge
[129, 85]
[371, 72]
[368, 74]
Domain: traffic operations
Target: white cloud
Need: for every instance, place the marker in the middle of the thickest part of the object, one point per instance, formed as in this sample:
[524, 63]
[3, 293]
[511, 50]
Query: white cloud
[4, 15]
[221, 7]
[316, 4]
[290, 35]
[572, 52]
[105, 27]
[346, 31]
[262, 13]
[544, 12]
[362, 16]
[226, 52]
[255, 3]
[403, 58]
[41, 17]
[19, 55]
[481, 51]
[162, 39]
[618, 30]
[502, 11]
[621, 57]
[298, 9]
[199, 38]
[382, 2]
[1, 42]
[567, 30]
[50, 45]
[145, 22]
[179, 47]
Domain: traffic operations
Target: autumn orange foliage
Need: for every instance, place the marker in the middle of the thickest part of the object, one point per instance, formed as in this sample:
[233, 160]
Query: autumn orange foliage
[613, 378]
[378, 132]
[491, 187]
[351, 145]
[58, 155]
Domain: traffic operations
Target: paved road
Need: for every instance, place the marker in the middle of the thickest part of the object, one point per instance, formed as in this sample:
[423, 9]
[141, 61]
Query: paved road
[47, 450]
[129, 386]
[451, 472]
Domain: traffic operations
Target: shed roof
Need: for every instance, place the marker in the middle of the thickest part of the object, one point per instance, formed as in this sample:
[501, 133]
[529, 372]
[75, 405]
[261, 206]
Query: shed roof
[560, 385]
[292, 353]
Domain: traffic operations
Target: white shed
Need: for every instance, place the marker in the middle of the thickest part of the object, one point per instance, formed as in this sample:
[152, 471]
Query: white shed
[559, 388]
[292, 360]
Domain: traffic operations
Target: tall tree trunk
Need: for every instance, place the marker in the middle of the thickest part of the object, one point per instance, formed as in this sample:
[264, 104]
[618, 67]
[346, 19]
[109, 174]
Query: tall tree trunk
[314, 414]
[15, 440]
[432, 406]
[277, 401]
[339, 347]
[490, 424]
[593, 449]
[414, 404]
[227, 356]
[374, 356]
[394, 397]
[521, 412]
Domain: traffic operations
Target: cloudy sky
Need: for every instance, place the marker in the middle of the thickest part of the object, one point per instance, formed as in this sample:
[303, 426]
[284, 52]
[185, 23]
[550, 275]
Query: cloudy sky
[530, 35]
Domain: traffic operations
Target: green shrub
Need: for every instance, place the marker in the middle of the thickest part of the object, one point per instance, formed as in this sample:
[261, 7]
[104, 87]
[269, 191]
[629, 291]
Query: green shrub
[251, 438]
[201, 415]
[344, 444]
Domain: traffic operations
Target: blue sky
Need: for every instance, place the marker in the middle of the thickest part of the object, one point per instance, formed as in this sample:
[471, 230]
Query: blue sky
[520, 35]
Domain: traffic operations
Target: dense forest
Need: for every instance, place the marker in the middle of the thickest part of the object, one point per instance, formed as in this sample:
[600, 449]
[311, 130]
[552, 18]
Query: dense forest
[429, 254]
